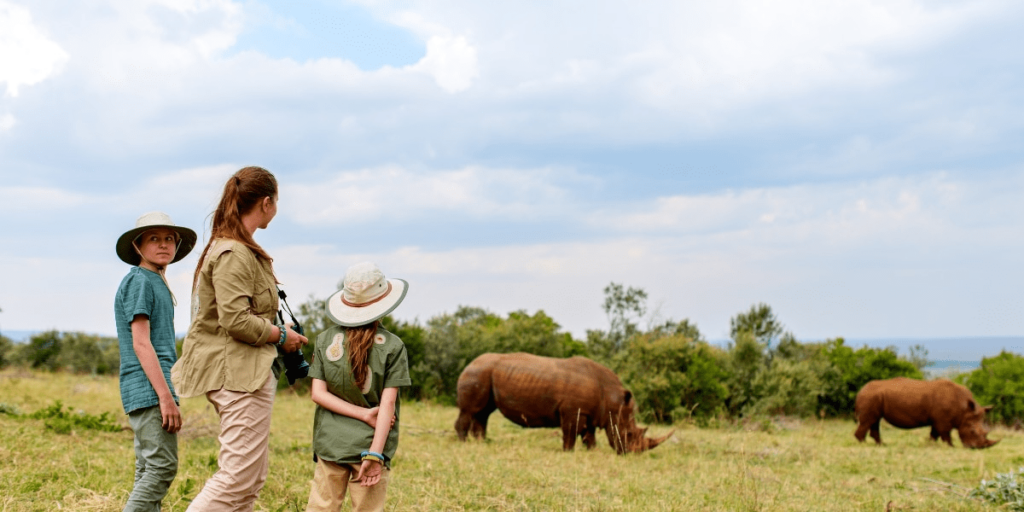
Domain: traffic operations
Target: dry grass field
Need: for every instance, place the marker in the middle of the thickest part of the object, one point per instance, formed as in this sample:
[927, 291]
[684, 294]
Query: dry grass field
[780, 465]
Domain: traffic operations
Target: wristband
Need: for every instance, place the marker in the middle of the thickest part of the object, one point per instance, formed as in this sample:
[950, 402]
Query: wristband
[284, 334]
[372, 456]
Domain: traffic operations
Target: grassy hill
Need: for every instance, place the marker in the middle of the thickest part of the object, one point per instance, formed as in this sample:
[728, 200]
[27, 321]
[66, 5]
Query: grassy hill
[769, 465]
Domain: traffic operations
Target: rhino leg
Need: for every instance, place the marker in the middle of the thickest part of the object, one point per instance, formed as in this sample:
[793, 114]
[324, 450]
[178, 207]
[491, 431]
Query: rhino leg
[474, 423]
[867, 424]
[574, 425]
[590, 437]
[934, 433]
[875, 433]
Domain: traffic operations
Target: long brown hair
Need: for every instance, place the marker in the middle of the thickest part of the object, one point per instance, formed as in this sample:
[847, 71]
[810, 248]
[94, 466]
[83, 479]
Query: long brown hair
[243, 192]
[360, 340]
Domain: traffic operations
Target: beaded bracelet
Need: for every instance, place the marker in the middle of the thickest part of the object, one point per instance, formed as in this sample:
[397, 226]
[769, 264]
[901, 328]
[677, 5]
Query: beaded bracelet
[372, 456]
[284, 334]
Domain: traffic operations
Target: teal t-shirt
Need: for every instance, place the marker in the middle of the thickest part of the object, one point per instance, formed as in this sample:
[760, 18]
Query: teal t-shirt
[339, 438]
[143, 292]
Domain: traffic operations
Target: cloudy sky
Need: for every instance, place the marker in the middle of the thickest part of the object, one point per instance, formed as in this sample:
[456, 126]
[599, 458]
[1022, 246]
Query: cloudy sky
[856, 164]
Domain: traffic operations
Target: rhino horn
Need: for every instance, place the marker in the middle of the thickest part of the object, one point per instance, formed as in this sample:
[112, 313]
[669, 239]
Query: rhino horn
[652, 443]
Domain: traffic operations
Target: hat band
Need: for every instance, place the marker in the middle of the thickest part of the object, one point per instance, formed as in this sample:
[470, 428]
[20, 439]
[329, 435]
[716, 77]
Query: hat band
[364, 304]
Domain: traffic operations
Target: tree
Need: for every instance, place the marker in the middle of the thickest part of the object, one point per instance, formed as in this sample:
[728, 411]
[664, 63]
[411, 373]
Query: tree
[759, 321]
[624, 307]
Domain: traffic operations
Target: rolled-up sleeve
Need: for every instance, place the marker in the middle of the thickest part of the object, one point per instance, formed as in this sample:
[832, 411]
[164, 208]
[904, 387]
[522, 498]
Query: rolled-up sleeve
[233, 281]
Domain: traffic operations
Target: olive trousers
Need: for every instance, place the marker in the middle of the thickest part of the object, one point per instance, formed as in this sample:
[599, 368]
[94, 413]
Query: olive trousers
[156, 460]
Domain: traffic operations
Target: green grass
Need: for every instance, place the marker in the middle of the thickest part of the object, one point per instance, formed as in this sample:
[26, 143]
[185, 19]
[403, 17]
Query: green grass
[793, 465]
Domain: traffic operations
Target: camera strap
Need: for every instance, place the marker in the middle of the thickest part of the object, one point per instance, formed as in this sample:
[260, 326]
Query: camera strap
[280, 315]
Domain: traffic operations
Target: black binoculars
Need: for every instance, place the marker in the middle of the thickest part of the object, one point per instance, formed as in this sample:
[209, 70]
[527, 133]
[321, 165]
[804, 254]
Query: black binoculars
[295, 366]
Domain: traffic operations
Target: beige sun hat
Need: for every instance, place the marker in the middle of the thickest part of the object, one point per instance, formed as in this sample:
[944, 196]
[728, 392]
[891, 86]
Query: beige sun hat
[128, 254]
[366, 295]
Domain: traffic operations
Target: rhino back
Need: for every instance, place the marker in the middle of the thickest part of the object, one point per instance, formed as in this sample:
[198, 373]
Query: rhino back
[533, 391]
[911, 403]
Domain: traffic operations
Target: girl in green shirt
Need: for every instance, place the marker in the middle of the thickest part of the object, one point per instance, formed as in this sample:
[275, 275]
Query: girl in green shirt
[357, 369]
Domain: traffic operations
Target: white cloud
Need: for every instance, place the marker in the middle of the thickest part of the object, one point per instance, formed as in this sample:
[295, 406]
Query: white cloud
[393, 192]
[451, 61]
[27, 55]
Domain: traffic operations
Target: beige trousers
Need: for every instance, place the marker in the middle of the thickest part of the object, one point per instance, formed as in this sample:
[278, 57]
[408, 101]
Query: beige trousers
[331, 481]
[244, 449]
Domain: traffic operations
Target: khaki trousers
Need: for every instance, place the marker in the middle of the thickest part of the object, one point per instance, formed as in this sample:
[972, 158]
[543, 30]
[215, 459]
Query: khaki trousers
[244, 449]
[330, 483]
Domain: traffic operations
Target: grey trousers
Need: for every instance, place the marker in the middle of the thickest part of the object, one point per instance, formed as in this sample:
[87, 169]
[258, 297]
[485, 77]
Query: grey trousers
[156, 460]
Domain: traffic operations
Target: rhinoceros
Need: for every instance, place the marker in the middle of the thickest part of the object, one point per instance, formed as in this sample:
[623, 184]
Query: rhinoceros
[575, 394]
[910, 403]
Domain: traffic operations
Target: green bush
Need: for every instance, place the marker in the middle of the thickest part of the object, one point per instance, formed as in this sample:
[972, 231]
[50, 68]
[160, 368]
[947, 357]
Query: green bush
[999, 382]
[6, 351]
[70, 351]
[746, 358]
[673, 377]
[787, 387]
[64, 421]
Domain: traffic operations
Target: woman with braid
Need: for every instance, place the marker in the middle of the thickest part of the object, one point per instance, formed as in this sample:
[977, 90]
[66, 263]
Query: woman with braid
[229, 352]
[357, 370]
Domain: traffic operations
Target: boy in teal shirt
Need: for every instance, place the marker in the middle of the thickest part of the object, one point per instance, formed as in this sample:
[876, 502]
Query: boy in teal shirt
[144, 312]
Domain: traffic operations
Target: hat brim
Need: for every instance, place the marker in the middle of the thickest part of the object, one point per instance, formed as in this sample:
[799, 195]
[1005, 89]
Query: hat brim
[348, 316]
[127, 253]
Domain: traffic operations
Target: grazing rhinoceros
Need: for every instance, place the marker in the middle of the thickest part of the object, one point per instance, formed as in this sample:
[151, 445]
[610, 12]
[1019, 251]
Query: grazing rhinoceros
[575, 394]
[911, 403]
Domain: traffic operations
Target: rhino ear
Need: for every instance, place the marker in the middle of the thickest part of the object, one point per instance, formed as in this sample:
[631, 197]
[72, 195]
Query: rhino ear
[971, 405]
[626, 397]
[986, 409]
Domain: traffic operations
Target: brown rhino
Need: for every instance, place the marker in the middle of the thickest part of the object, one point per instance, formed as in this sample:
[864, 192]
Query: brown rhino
[911, 403]
[575, 394]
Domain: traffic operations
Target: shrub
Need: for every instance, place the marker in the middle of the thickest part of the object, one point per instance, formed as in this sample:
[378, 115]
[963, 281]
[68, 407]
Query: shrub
[65, 421]
[674, 376]
[6, 351]
[1006, 491]
[70, 351]
[787, 387]
[999, 381]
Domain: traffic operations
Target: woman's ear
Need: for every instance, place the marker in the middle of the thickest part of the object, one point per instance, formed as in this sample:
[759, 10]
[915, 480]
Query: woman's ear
[267, 203]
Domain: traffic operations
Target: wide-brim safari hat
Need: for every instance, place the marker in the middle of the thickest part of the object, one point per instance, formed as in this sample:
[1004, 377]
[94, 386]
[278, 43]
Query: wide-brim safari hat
[128, 254]
[366, 295]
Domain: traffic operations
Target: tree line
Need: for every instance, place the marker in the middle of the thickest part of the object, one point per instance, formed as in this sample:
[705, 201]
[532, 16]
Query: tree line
[673, 371]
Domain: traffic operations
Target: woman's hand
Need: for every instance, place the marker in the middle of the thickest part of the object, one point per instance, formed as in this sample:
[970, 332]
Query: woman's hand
[294, 341]
[369, 472]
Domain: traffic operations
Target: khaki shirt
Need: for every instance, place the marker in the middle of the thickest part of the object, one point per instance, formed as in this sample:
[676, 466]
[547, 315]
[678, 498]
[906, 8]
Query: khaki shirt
[233, 308]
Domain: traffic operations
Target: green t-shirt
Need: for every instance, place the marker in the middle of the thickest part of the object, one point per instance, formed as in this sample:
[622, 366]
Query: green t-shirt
[143, 292]
[338, 438]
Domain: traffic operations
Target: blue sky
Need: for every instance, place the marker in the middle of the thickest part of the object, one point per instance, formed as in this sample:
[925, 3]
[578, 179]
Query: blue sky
[855, 164]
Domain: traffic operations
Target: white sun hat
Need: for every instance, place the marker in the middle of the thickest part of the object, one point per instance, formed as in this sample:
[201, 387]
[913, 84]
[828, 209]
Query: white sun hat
[366, 295]
[128, 254]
